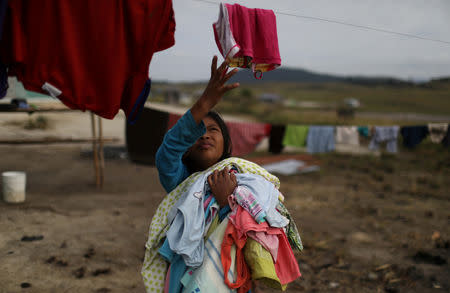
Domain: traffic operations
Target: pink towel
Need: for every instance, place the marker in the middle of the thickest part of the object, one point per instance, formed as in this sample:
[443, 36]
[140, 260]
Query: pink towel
[246, 136]
[248, 37]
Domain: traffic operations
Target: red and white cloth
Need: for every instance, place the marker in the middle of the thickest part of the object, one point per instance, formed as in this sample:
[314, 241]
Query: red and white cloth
[246, 136]
[248, 37]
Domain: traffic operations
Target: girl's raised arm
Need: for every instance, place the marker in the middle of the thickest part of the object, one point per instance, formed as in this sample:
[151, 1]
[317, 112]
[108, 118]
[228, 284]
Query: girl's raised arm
[214, 91]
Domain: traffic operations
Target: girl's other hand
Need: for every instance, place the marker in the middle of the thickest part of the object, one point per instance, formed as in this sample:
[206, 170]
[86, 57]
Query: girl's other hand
[214, 91]
[222, 184]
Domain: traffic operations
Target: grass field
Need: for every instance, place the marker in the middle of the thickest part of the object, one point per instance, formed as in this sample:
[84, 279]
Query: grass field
[431, 99]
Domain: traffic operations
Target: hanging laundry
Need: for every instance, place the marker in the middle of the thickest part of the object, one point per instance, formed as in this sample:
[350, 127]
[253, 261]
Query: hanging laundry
[92, 55]
[363, 131]
[248, 37]
[276, 138]
[437, 131]
[413, 135]
[173, 119]
[446, 139]
[295, 135]
[144, 137]
[386, 134]
[3, 7]
[3, 69]
[246, 136]
[347, 135]
[320, 139]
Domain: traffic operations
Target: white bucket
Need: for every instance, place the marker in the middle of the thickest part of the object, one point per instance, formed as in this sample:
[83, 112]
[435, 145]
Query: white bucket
[14, 186]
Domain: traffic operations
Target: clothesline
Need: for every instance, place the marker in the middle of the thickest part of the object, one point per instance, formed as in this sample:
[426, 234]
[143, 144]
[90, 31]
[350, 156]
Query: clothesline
[335, 21]
[246, 136]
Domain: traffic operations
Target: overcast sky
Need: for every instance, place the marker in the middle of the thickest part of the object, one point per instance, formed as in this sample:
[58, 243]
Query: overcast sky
[321, 46]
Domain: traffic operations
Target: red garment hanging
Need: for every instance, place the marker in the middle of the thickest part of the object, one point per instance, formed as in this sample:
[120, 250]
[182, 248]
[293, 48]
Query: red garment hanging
[92, 55]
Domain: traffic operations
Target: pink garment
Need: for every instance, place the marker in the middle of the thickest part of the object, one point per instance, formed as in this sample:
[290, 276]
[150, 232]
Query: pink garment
[268, 241]
[246, 136]
[167, 281]
[206, 202]
[286, 265]
[248, 32]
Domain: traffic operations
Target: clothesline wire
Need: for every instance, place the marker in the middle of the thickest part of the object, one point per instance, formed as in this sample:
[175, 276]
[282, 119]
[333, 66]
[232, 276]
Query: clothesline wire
[348, 24]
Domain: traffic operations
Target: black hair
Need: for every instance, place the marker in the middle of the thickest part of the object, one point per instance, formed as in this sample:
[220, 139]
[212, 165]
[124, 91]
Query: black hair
[227, 144]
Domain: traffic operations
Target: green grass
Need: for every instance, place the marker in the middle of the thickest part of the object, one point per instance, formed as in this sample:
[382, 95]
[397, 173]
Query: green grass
[432, 99]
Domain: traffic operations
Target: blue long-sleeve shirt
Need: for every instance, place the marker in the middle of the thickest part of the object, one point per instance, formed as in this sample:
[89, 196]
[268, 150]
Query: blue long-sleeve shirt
[172, 171]
[176, 142]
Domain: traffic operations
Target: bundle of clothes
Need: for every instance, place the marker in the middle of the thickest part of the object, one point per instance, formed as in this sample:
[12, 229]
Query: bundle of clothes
[194, 246]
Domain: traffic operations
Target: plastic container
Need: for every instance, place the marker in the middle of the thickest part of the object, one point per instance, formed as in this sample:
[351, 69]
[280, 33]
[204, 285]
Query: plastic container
[14, 183]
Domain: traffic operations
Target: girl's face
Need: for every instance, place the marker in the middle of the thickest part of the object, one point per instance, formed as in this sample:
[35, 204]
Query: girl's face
[208, 149]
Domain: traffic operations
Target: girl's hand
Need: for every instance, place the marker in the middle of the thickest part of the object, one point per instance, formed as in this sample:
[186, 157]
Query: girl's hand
[222, 184]
[214, 91]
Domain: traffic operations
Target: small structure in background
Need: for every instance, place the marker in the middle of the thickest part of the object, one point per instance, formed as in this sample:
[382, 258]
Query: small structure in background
[270, 98]
[347, 108]
[185, 99]
[352, 103]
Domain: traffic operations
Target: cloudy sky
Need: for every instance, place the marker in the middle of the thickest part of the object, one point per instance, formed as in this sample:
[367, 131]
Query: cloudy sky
[322, 46]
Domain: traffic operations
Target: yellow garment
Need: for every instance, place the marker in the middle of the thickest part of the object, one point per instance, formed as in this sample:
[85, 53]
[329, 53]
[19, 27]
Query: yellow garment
[261, 264]
[246, 62]
[213, 226]
[154, 268]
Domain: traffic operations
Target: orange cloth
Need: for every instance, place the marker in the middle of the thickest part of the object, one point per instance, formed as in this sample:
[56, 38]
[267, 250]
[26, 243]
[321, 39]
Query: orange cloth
[243, 282]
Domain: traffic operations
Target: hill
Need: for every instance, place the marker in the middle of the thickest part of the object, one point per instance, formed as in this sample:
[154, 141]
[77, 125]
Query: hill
[306, 76]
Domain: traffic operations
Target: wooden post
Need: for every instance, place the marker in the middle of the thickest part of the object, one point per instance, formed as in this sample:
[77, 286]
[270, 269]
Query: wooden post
[94, 150]
[101, 156]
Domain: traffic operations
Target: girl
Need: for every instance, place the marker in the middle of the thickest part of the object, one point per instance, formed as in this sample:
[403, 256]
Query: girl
[196, 149]
[199, 140]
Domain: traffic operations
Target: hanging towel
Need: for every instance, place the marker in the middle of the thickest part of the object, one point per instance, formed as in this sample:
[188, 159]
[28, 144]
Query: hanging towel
[437, 131]
[363, 131]
[248, 37]
[145, 136]
[413, 135]
[347, 135]
[386, 134]
[320, 139]
[246, 136]
[295, 135]
[91, 55]
[276, 138]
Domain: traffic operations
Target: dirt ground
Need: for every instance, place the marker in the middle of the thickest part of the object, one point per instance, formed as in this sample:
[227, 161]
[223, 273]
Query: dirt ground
[368, 224]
